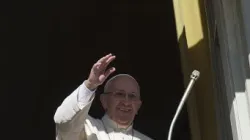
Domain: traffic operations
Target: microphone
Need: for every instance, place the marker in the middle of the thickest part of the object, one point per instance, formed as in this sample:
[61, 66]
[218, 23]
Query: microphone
[193, 77]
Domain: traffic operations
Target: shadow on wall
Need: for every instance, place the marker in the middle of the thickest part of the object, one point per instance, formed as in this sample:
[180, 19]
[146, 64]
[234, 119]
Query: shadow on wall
[205, 96]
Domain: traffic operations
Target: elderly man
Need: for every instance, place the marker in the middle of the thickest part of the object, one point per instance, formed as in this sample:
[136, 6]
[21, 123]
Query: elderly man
[121, 101]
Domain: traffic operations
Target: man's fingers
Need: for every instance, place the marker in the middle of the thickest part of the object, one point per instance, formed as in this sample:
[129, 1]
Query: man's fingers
[102, 64]
[103, 59]
[96, 66]
[109, 71]
[110, 59]
[107, 62]
[104, 76]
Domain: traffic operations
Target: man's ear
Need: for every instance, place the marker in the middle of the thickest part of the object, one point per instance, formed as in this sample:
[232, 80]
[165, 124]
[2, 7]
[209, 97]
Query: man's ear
[103, 99]
[139, 103]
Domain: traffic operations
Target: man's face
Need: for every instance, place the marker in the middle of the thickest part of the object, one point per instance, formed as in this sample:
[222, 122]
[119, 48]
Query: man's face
[122, 100]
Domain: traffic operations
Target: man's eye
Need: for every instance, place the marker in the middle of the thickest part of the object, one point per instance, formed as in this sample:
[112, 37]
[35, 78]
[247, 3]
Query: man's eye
[119, 94]
[132, 96]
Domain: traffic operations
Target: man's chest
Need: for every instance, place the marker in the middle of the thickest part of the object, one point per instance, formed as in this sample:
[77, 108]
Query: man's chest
[110, 136]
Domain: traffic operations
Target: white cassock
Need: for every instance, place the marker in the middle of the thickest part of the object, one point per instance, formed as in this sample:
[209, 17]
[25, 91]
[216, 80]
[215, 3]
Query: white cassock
[74, 123]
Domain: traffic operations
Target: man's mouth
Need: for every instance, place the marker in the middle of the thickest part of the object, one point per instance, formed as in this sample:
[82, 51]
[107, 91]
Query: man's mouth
[125, 110]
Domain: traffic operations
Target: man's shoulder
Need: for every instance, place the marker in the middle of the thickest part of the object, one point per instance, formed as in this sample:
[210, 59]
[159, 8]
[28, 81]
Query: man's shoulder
[141, 136]
[93, 121]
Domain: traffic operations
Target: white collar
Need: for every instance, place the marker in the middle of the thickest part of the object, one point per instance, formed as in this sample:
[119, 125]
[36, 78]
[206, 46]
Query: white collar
[109, 123]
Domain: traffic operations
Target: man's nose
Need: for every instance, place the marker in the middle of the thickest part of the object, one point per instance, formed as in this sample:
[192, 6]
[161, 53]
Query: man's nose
[126, 100]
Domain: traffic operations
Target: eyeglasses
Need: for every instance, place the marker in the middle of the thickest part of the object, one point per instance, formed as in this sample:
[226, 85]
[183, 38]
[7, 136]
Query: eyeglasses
[123, 95]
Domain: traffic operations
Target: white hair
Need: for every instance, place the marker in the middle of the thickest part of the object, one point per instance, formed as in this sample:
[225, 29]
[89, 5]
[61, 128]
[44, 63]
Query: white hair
[116, 76]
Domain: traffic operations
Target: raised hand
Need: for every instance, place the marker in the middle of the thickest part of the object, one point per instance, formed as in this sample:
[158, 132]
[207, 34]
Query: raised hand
[99, 72]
